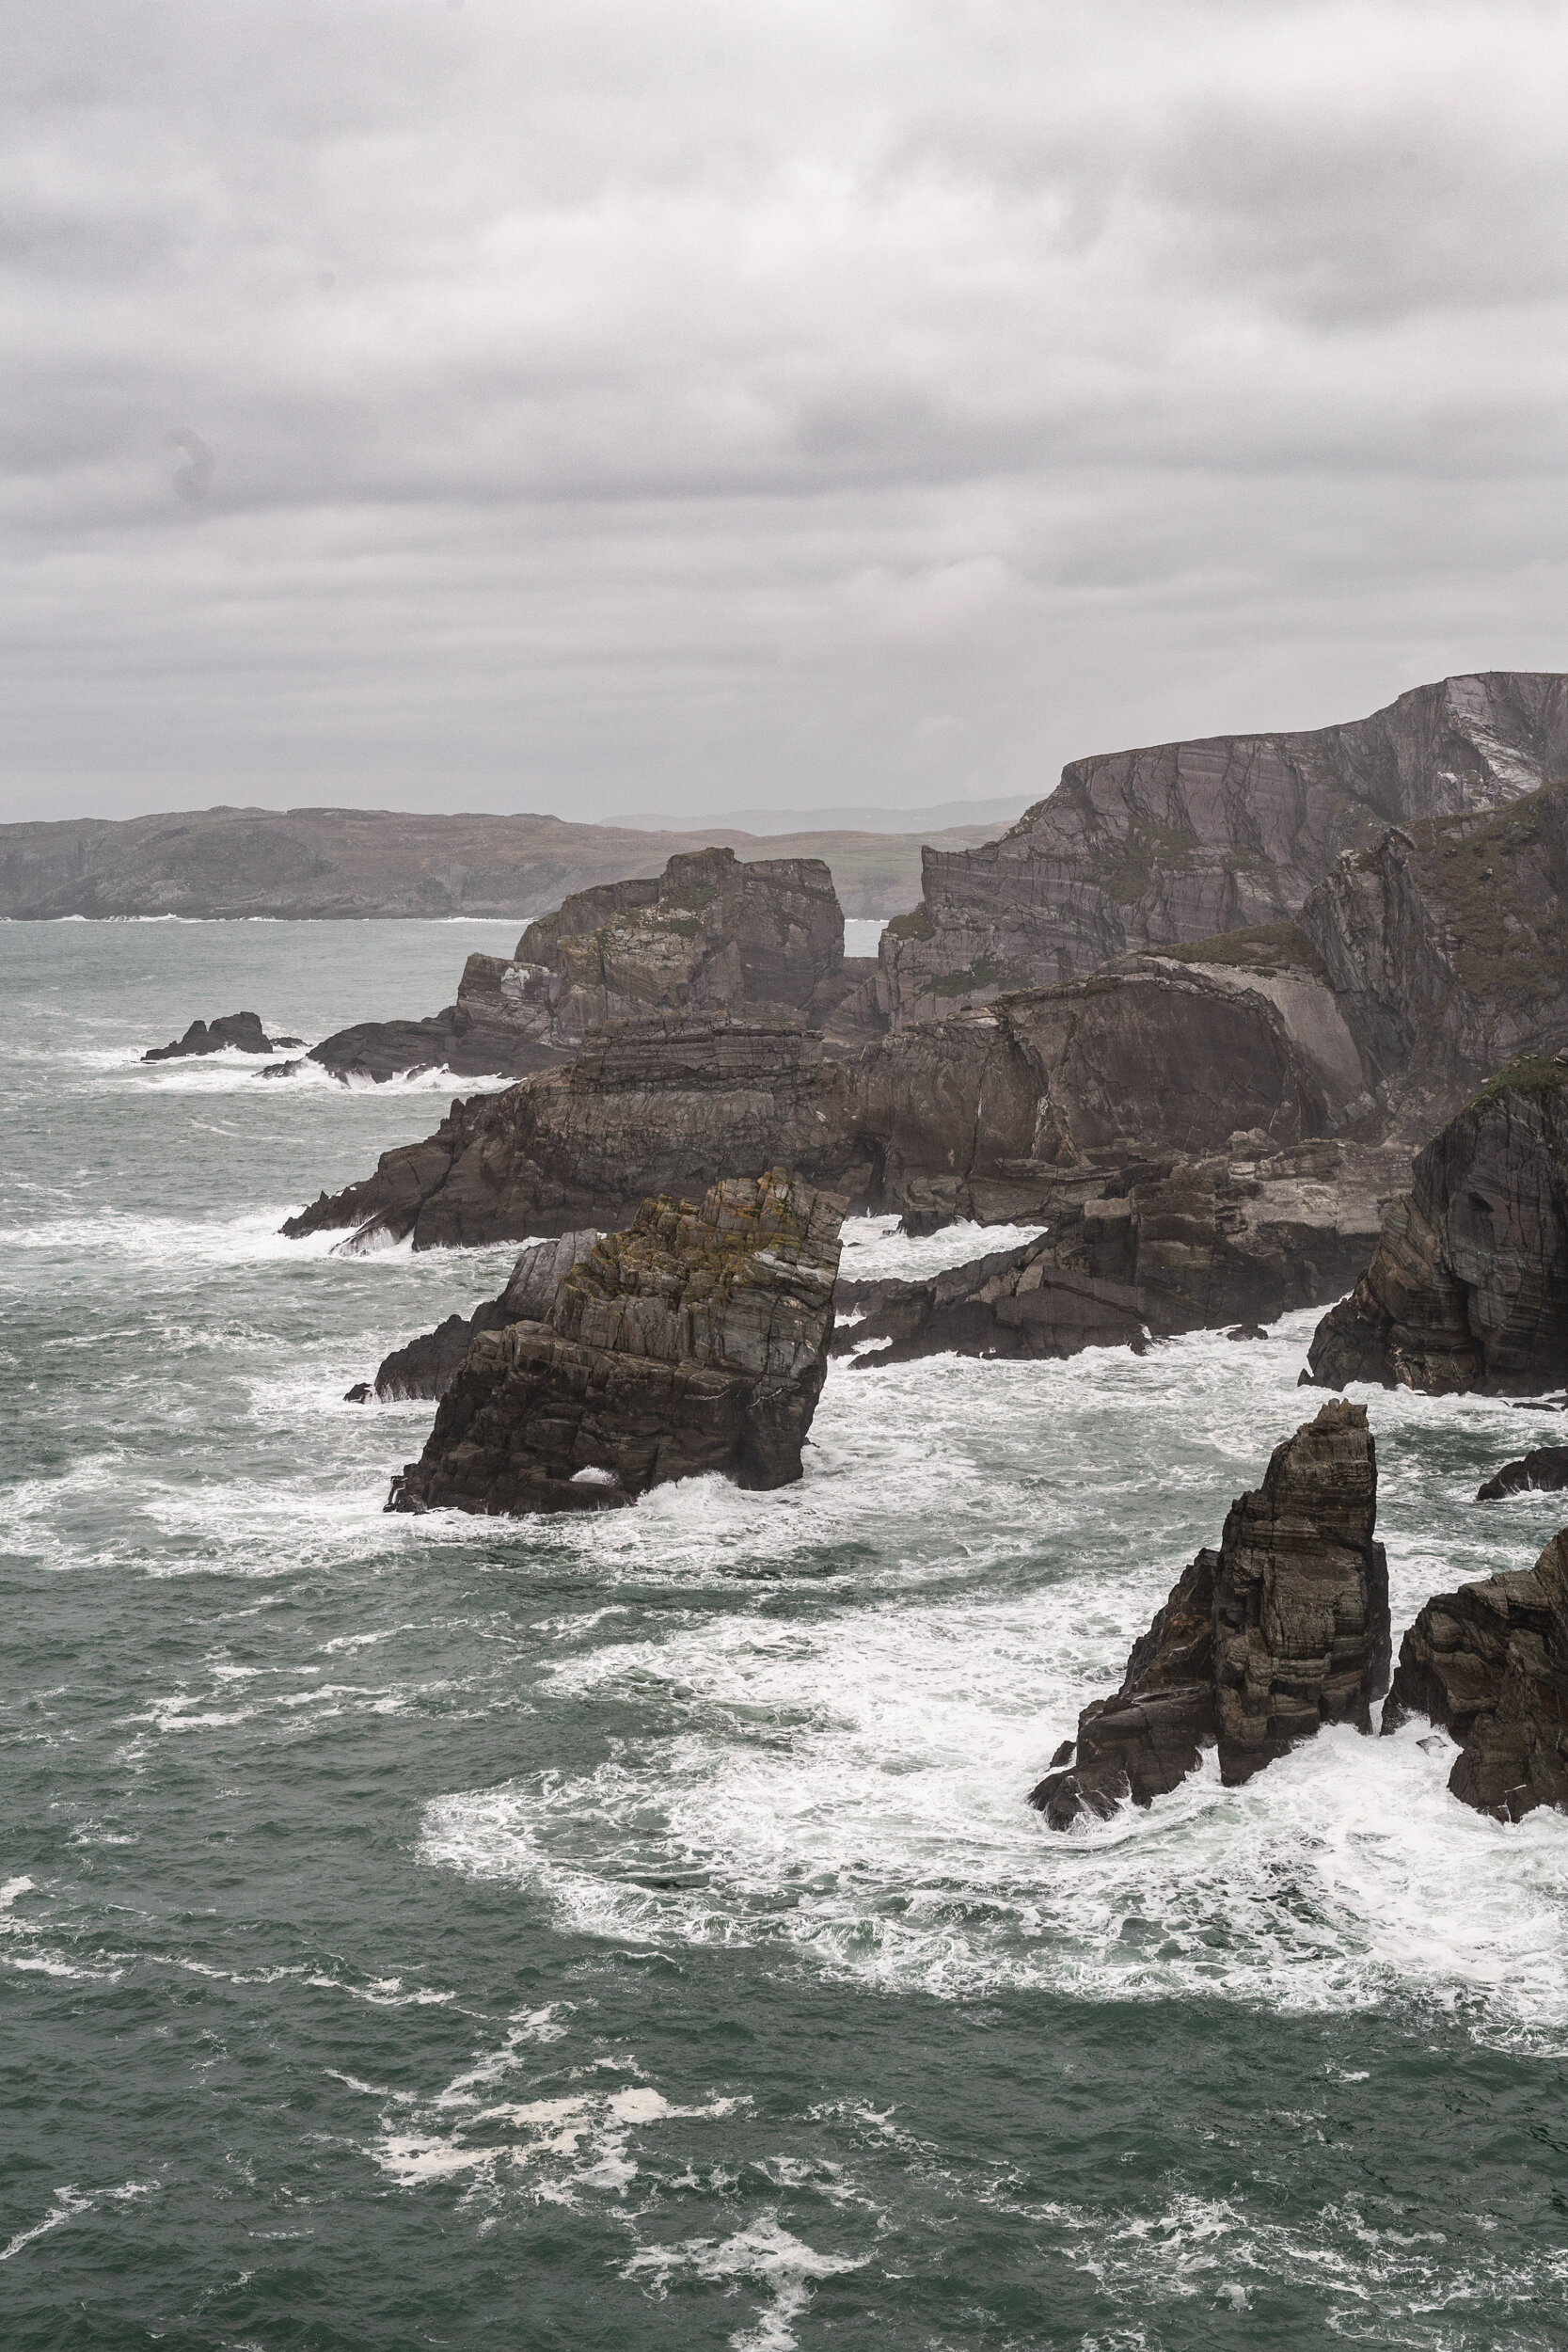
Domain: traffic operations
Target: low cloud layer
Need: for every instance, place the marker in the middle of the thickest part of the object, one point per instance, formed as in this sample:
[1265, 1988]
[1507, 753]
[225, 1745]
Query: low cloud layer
[640, 407]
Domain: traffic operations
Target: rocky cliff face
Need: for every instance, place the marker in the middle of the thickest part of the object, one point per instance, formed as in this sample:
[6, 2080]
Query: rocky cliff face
[1183, 1246]
[664, 1105]
[1183, 841]
[1489, 1663]
[427, 1366]
[982, 1115]
[1468, 1285]
[764, 941]
[695, 1342]
[1283, 1629]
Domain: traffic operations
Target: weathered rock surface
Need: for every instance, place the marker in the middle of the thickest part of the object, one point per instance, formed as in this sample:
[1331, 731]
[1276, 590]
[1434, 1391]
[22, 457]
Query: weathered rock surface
[662, 1106]
[1467, 1288]
[1183, 841]
[427, 1366]
[761, 941]
[1284, 1628]
[984, 1116]
[695, 1342]
[1542, 1472]
[1183, 1245]
[241, 1030]
[1489, 1663]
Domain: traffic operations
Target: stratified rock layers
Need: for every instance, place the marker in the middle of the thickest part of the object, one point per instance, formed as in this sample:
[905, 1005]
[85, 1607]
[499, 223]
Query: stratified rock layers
[1489, 1663]
[1468, 1286]
[1283, 1629]
[695, 1342]
[427, 1366]
[1180, 841]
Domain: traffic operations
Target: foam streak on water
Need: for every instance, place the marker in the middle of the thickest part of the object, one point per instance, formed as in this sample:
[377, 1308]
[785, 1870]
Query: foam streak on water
[631, 1930]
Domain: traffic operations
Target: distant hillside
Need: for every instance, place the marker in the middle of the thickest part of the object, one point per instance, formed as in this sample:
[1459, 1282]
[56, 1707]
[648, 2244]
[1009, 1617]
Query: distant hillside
[351, 862]
[996, 816]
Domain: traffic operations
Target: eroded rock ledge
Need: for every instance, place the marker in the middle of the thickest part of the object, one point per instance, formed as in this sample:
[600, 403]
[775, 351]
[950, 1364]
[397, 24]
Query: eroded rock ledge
[697, 1341]
[1284, 1628]
[1489, 1663]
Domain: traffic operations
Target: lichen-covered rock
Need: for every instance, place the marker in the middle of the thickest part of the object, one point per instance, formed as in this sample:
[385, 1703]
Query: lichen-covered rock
[1542, 1472]
[1489, 1663]
[697, 1341]
[1180, 1246]
[1467, 1288]
[427, 1366]
[1182, 841]
[241, 1030]
[1284, 1628]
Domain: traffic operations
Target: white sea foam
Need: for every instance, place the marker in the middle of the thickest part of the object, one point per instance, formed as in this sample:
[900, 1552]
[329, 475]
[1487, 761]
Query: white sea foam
[763, 2252]
[874, 1248]
[68, 2205]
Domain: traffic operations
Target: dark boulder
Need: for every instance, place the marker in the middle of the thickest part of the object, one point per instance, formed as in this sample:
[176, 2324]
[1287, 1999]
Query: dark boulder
[1283, 1629]
[1467, 1288]
[696, 1341]
[1543, 1471]
[1489, 1663]
[241, 1030]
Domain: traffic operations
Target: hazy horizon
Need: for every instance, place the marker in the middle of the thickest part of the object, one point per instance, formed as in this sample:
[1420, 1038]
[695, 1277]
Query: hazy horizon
[646, 413]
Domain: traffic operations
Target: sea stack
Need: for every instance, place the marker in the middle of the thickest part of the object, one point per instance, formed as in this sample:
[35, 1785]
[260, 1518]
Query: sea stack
[696, 1341]
[1489, 1663]
[1285, 1628]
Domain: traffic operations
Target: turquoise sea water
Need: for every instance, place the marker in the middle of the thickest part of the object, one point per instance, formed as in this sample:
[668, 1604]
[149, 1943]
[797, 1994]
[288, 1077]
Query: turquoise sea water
[630, 1934]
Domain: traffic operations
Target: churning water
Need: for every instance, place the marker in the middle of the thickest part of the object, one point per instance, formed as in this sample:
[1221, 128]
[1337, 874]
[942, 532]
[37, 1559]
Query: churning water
[629, 1933]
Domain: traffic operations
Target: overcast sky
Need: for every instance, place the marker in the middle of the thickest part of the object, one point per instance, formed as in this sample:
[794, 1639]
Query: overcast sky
[630, 405]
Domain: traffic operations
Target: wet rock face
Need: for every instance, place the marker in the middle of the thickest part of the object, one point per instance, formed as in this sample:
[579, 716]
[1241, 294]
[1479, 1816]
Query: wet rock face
[662, 1106]
[696, 1341]
[1467, 1288]
[1489, 1663]
[426, 1367]
[1542, 1472]
[1283, 1629]
[1174, 1247]
[241, 1030]
[1183, 841]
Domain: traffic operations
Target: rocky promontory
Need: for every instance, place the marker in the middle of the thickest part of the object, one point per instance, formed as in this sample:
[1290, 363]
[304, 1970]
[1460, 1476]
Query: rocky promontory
[1489, 1663]
[694, 1341]
[1467, 1288]
[1284, 1628]
[427, 1366]
[1186, 840]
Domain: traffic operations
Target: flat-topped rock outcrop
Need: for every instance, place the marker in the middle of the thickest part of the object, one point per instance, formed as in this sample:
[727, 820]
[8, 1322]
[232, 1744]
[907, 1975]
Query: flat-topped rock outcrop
[695, 1342]
[1489, 1663]
[241, 1031]
[1183, 841]
[1467, 1288]
[1181, 1245]
[1282, 1630]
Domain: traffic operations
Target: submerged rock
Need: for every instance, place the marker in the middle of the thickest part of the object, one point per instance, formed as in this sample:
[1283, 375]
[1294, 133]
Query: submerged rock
[1543, 1471]
[696, 1341]
[241, 1030]
[1489, 1663]
[426, 1367]
[1283, 1629]
[1467, 1288]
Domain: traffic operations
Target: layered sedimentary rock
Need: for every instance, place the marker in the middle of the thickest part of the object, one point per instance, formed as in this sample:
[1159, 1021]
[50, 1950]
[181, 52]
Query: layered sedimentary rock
[695, 1342]
[243, 1031]
[1284, 1628]
[980, 1115]
[1174, 1247]
[709, 934]
[663, 1106]
[427, 1366]
[1446, 945]
[1467, 1288]
[1489, 1663]
[1183, 841]
[1545, 1470]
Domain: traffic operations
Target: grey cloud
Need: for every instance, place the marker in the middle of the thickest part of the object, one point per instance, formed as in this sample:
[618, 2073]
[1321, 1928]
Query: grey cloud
[656, 405]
